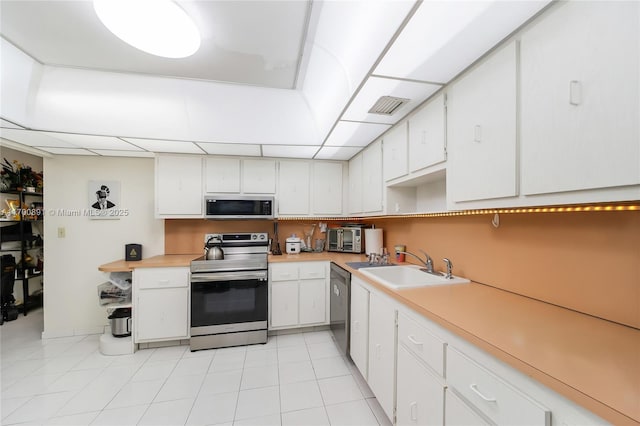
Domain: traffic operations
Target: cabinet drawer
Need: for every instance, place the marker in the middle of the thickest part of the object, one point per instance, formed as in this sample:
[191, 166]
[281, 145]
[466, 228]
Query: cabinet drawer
[161, 277]
[312, 270]
[493, 397]
[284, 271]
[422, 343]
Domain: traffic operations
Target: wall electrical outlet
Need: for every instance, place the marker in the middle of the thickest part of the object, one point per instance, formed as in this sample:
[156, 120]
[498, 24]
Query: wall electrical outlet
[62, 232]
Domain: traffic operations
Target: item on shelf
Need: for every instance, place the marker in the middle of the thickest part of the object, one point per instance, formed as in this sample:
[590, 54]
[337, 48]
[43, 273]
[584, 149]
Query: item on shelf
[7, 280]
[109, 293]
[120, 322]
[121, 280]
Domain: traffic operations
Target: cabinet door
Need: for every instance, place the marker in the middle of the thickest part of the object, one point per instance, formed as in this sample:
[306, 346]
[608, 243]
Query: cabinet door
[381, 379]
[259, 176]
[394, 152]
[293, 187]
[580, 98]
[359, 340]
[420, 395]
[162, 314]
[372, 178]
[284, 303]
[427, 135]
[355, 184]
[178, 186]
[457, 413]
[222, 175]
[313, 301]
[327, 188]
[481, 129]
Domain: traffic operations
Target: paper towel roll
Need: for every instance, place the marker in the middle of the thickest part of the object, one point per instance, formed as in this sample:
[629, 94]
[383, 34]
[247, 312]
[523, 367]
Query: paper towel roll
[373, 240]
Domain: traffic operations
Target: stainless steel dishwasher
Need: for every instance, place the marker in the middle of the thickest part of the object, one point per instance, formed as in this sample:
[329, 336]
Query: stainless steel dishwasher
[340, 302]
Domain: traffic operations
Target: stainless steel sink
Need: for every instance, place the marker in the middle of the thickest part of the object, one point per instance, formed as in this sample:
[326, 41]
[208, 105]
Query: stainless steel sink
[408, 276]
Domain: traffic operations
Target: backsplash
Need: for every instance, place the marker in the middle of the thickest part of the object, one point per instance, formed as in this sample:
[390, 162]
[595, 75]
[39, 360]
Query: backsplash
[585, 261]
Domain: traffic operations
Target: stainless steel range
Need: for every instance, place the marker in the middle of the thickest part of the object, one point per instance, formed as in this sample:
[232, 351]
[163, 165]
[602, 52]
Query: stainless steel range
[229, 296]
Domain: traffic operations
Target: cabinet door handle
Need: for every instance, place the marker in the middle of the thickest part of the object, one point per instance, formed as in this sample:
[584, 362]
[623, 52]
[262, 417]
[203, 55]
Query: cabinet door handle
[575, 92]
[414, 341]
[356, 326]
[477, 133]
[414, 411]
[475, 389]
[378, 350]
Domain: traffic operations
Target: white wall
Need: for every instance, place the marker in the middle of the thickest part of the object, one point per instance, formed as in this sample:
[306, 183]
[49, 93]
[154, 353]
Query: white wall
[71, 263]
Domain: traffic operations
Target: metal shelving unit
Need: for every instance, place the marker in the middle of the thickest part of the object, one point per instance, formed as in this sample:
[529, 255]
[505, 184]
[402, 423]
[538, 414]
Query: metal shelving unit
[25, 243]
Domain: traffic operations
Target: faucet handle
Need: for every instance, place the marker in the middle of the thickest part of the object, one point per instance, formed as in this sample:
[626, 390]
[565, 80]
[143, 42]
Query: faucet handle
[449, 267]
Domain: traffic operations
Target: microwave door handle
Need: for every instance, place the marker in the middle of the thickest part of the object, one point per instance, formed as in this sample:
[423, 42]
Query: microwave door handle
[340, 239]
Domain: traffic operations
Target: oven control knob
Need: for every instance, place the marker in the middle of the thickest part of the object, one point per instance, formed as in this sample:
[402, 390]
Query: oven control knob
[253, 237]
[262, 237]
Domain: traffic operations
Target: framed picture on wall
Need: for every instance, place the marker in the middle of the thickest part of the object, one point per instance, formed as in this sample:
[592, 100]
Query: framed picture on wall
[104, 199]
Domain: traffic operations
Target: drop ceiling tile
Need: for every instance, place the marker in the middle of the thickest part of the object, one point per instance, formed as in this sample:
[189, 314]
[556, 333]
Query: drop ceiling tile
[115, 153]
[156, 145]
[67, 151]
[9, 125]
[34, 138]
[94, 142]
[231, 149]
[337, 152]
[350, 133]
[289, 151]
[376, 87]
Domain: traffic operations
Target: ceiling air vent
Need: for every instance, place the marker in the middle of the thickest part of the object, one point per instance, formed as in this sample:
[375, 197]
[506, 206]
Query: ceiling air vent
[387, 105]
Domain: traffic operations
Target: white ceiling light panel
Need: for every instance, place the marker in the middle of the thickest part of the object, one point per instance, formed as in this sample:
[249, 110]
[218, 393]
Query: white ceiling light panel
[289, 151]
[8, 125]
[67, 151]
[444, 37]
[349, 133]
[176, 147]
[376, 87]
[336, 153]
[94, 142]
[230, 149]
[34, 138]
[115, 153]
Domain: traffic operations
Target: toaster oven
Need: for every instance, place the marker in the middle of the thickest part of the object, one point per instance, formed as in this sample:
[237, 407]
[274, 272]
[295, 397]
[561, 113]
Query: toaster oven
[346, 240]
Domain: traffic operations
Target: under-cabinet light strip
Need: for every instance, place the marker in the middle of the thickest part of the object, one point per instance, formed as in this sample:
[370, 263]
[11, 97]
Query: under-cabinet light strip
[549, 209]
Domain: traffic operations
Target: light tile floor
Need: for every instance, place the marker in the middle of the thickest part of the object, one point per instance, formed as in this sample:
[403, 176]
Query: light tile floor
[295, 379]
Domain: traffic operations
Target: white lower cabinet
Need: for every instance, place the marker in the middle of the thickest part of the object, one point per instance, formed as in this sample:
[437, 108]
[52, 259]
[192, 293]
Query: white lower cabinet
[298, 294]
[359, 340]
[420, 393]
[457, 413]
[490, 395]
[382, 350]
[160, 304]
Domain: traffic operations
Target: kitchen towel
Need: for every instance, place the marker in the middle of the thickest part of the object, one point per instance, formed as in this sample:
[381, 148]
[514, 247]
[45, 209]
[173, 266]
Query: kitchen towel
[373, 240]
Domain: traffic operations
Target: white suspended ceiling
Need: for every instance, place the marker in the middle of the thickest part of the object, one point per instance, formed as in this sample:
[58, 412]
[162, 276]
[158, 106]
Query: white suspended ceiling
[272, 78]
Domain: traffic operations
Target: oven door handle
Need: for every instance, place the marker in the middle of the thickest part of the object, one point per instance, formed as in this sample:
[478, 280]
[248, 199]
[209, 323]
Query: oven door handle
[228, 276]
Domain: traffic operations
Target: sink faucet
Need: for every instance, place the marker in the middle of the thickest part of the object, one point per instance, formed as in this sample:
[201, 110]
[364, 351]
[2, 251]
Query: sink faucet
[428, 263]
[449, 268]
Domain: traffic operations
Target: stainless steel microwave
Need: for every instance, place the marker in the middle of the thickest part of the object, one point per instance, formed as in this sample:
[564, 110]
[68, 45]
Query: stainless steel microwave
[346, 240]
[238, 207]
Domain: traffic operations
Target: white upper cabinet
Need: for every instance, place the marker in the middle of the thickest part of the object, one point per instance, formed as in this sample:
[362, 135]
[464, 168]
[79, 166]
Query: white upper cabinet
[222, 175]
[372, 178]
[355, 184]
[293, 187]
[481, 131]
[580, 98]
[327, 188]
[427, 135]
[259, 176]
[178, 186]
[395, 152]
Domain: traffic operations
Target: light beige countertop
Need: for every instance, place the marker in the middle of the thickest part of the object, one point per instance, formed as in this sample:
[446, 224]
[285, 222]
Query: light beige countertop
[593, 362]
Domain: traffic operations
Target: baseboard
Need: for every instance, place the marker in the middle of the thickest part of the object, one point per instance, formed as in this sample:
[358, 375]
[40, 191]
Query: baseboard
[73, 332]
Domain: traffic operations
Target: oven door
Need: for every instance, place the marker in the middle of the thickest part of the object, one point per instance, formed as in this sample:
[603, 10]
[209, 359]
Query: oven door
[225, 302]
